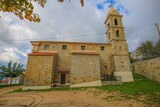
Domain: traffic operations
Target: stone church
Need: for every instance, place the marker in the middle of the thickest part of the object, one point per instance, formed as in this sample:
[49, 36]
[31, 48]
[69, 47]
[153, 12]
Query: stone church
[80, 64]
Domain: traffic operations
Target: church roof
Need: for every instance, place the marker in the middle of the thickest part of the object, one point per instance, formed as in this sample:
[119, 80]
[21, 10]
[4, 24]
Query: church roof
[66, 42]
[113, 11]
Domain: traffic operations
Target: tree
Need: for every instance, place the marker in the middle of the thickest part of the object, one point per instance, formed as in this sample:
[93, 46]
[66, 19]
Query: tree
[10, 71]
[24, 8]
[149, 50]
[1, 75]
[21, 8]
[157, 49]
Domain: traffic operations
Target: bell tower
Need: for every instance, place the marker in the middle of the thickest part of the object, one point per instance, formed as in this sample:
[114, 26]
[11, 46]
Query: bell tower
[116, 37]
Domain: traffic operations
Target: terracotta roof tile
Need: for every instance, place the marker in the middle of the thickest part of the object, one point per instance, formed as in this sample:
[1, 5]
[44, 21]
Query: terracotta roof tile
[42, 54]
[86, 53]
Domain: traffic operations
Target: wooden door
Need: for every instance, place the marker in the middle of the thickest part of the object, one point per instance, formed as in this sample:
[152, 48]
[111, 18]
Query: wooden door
[63, 78]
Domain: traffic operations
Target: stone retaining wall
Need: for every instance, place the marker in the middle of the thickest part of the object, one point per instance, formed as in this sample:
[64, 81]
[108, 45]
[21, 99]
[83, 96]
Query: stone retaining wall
[148, 68]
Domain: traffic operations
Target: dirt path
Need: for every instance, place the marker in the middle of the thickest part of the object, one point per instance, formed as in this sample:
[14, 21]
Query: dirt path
[8, 89]
[83, 98]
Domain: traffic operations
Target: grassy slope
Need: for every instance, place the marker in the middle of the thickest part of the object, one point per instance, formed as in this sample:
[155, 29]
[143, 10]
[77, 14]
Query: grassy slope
[141, 85]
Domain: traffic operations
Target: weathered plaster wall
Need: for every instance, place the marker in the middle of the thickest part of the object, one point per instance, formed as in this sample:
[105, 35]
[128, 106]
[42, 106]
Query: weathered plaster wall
[85, 68]
[40, 70]
[149, 68]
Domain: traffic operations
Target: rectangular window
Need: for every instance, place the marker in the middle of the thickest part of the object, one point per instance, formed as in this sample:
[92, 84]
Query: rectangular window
[102, 48]
[64, 47]
[83, 47]
[46, 47]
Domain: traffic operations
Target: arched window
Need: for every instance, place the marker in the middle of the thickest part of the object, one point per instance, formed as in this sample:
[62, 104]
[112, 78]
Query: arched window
[117, 33]
[115, 21]
[108, 24]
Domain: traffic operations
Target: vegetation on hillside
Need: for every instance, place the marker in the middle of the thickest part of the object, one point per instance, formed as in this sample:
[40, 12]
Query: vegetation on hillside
[148, 50]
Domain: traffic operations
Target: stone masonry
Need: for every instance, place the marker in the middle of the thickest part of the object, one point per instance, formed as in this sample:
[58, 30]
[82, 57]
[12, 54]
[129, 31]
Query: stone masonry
[148, 68]
[40, 69]
[116, 37]
[85, 68]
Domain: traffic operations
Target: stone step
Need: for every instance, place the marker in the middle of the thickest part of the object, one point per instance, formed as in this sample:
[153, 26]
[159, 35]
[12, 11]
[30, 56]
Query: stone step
[63, 86]
[112, 82]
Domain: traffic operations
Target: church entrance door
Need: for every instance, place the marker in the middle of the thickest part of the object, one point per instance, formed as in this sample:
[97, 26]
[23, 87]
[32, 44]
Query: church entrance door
[63, 78]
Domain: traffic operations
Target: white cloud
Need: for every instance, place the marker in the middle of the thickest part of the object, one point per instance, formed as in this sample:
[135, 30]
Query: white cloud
[9, 54]
[63, 21]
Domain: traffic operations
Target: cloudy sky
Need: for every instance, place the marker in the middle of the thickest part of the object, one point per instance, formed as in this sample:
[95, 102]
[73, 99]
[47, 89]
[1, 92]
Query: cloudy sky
[70, 22]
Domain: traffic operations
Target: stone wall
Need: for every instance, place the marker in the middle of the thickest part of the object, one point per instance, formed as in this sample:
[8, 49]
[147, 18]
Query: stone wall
[40, 70]
[85, 68]
[148, 68]
[64, 57]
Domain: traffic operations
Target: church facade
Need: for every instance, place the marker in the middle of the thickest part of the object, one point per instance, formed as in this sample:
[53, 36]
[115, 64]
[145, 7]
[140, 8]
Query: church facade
[79, 64]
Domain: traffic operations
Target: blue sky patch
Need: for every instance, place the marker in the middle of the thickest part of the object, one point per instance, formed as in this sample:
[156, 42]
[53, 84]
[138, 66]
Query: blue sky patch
[102, 5]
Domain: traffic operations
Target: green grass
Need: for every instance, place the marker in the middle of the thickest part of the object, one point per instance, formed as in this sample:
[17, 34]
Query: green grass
[140, 86]
[136, 87]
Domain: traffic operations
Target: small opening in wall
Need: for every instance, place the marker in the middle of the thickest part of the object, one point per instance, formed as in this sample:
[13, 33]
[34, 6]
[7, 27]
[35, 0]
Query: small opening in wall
[46, 46]
[102, 48]
[83, 47]
[108, 24]
[64, 47]
[117, 33]
[115, 21]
